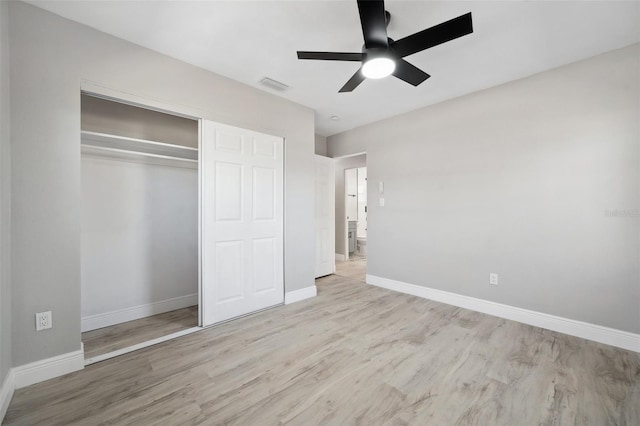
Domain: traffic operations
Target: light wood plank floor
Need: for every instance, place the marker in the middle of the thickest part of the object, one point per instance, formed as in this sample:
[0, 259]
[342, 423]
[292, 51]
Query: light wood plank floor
[356, 354]
[120, 336]
[352, 268]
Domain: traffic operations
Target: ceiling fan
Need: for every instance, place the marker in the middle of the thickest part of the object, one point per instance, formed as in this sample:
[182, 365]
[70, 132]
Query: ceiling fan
[382, 56]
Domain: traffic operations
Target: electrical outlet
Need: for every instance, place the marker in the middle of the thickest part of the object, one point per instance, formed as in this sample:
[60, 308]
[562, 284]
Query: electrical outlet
[493, 278]
[43, 321]
[381, 202]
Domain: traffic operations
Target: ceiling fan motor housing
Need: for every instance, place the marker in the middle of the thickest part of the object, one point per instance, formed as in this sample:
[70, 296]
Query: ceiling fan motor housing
[377, 52]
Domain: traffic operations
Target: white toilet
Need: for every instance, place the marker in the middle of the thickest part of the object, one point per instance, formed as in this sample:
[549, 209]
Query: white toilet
[362, 246]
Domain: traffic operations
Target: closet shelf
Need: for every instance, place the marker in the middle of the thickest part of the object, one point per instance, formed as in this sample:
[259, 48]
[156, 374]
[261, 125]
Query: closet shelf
[139, 157]
[106, 143]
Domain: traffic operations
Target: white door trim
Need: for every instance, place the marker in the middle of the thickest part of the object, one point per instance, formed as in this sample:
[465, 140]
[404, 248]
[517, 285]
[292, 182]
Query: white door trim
[105, 92]
[100, 90]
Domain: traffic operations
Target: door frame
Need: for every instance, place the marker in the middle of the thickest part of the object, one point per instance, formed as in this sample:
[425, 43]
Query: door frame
[93, 89]
[345, 217]
[346, 199]
[342, 215]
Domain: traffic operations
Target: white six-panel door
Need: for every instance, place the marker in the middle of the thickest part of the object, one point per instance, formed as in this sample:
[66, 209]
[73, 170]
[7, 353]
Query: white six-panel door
[325, 216]
[242, 221]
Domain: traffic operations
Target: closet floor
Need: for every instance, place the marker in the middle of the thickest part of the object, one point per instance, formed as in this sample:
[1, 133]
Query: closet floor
[120, 336]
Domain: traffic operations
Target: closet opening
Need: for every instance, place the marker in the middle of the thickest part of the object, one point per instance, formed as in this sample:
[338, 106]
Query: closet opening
[140, 227]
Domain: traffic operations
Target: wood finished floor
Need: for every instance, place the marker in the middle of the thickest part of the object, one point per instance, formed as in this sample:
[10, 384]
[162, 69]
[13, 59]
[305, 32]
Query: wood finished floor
[120, 336]
[352, 268]
[356, 354]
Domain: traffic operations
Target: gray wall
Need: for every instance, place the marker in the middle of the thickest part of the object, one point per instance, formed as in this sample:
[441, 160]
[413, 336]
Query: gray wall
[49, 58]
[139, 233]
[341, 165]
[103, 116]
[5, 198]
[321, 145]
[537, 180]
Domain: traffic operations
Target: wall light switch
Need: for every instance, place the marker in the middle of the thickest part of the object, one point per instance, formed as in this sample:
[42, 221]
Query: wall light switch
[381, 202]
[381, 187]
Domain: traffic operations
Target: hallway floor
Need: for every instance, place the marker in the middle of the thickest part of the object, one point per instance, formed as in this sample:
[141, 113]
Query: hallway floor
[354, 268]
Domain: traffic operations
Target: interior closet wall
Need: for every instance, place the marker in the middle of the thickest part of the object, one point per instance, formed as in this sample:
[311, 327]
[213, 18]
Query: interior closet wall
[139, 239]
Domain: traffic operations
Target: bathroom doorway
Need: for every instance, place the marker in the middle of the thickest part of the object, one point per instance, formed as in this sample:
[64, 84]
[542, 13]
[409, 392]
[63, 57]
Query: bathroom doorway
[356, 212]
[351, 217]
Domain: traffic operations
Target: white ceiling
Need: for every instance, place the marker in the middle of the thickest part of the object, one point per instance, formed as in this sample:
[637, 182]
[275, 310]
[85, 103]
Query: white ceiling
[249, 40]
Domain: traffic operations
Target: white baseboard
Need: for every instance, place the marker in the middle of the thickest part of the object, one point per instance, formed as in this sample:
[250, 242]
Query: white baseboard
[340, 257]
[39, 371]
[6, 392]
[597, 333]
[298, 295]
[49, 368]
[93, 322]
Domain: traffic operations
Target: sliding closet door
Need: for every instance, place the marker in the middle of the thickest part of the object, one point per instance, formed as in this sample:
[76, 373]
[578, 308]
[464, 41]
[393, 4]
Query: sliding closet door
[242, 221]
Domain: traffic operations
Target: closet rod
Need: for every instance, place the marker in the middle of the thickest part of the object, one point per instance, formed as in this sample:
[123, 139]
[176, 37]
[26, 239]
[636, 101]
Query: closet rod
[107, 137]
[103, 140]
[130, 152]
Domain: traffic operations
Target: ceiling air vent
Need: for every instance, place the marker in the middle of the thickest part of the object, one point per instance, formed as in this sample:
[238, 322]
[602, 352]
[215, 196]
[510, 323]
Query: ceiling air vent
[275, 85]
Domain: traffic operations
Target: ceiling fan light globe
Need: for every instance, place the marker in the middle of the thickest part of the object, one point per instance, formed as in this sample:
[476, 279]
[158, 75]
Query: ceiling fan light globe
[378, 67]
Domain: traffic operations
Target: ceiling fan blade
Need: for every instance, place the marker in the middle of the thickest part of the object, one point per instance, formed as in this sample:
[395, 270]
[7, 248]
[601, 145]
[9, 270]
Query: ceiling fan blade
[447, 31]
[353, 82]
[409, 73]
[374, 23]
[330, 56]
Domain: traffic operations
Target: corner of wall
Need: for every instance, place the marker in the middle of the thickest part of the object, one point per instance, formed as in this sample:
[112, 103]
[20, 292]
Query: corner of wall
[6, 376]
[321, 145]
[7, 387]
